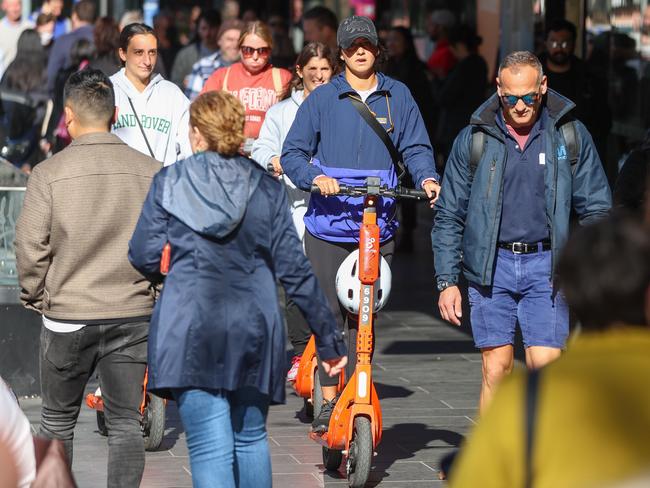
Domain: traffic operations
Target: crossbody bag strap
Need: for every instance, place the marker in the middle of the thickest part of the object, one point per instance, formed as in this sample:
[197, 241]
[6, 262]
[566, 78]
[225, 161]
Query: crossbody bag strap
[137, 119]
[370, 119]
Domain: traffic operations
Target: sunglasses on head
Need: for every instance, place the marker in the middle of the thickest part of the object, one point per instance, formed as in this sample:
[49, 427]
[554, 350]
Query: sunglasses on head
[512, 100]
[262, 52]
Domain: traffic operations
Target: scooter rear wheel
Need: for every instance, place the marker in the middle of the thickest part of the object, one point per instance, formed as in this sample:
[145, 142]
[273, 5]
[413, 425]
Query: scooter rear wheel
[332, 459]
[360, 454]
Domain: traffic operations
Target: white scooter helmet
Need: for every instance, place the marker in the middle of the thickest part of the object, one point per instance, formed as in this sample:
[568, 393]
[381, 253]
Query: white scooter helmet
[348, 286]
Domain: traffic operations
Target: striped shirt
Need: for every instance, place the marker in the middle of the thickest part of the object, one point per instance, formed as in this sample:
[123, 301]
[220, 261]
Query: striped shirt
[201, 71]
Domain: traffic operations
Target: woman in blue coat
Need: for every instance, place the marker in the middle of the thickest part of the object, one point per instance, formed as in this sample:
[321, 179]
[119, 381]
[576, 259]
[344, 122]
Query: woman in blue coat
[217, 341]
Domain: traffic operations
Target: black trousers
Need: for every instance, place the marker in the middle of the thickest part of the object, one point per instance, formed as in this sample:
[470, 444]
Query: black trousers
[325, 258]
[119, 353]
[297, 327]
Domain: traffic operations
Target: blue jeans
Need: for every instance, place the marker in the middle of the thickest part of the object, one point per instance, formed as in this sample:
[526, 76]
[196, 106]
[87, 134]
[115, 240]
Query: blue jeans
[522, 291]
[226, 437]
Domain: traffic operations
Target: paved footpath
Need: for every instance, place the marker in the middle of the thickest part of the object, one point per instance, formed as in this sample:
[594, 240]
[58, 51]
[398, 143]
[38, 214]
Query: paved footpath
[427, 376]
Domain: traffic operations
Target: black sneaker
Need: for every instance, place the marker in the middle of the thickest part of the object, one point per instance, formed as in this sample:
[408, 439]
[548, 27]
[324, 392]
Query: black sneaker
[322, 422]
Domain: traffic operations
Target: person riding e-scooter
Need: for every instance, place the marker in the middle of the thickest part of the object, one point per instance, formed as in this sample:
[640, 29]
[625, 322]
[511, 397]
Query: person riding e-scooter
[330, 141]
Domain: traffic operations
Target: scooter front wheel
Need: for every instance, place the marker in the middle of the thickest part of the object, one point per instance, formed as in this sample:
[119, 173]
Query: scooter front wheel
[153, 422]
[360, 454]
[309, 408]
[101, 424]
[317, 397]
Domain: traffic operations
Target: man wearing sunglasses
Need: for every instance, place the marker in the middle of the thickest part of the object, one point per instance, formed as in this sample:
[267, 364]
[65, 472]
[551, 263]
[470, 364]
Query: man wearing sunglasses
[504, 216]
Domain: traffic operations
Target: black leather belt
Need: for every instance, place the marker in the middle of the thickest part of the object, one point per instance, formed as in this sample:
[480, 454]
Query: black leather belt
[525, 247]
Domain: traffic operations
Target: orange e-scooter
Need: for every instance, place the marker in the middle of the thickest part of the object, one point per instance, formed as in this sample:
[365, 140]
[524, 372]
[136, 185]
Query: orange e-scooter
[355, 425]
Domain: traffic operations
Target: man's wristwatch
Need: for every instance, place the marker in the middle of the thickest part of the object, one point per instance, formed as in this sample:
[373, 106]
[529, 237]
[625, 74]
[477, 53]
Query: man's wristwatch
[443, 285]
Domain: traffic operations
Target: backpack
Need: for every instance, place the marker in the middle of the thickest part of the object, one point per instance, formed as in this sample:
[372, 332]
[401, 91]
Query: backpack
[569, 133]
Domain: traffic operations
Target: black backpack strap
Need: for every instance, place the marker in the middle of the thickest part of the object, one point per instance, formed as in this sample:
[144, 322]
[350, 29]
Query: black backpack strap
[570, 135]
[370, 119]
[532, 389]
[476, 150]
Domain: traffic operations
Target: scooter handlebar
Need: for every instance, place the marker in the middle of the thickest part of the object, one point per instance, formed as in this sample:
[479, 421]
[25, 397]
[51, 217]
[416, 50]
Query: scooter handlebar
[399, 192]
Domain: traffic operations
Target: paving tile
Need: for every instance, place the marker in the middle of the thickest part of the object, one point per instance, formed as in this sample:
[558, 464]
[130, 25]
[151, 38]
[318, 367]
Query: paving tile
[296, 480]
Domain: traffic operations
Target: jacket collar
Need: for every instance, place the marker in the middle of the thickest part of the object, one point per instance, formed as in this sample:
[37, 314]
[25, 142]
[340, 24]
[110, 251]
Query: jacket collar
[343, 88]
[556, 106]
[96, 138]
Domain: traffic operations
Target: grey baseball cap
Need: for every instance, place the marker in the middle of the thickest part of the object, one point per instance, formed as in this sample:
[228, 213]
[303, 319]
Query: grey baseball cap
[355, 27]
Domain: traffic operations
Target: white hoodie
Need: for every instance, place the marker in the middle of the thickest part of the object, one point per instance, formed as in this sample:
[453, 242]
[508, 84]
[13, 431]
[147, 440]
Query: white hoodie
[275, 128]
[163, 110]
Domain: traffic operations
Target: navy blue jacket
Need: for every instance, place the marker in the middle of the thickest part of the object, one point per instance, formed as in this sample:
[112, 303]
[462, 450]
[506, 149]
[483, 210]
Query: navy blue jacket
[468, 215]
[329, 132]
[217, 323]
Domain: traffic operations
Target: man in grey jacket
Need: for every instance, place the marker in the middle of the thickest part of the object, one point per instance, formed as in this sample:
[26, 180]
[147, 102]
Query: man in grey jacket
[80, 209]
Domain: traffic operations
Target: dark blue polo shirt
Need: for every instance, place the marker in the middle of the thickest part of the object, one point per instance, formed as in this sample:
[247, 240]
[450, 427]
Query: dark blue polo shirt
[523, 215]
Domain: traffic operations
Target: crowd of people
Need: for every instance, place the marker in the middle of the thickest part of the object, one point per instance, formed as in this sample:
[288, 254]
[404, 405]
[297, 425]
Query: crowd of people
[217, 160]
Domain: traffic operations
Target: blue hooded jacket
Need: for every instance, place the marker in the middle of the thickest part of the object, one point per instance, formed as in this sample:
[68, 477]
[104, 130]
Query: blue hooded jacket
[330, 133]
[468, 216]
[217, 323]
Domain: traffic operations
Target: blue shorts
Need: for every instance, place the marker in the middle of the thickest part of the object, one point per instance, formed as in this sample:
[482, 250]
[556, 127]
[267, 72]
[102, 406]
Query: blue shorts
[522, 292]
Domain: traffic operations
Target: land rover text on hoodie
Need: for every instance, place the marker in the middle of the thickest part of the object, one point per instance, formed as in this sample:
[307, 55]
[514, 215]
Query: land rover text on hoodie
[163, 111]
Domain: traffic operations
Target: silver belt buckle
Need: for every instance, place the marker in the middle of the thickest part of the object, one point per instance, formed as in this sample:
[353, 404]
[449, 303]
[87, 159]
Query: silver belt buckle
[519, 247]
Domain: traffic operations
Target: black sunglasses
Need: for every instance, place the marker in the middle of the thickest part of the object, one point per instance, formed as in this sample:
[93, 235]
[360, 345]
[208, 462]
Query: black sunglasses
[512, 100]
[262, 52]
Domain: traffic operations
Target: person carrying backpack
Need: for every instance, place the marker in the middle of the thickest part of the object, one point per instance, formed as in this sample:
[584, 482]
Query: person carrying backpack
[511, 180]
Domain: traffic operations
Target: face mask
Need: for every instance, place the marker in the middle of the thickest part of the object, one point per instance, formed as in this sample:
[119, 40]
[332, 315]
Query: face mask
[46, 38]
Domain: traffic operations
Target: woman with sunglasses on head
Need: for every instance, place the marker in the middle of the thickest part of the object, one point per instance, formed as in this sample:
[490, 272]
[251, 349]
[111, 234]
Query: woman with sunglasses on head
[314, 67]
[253, 80]
[217, 341]
[331, 142]
[152, 113]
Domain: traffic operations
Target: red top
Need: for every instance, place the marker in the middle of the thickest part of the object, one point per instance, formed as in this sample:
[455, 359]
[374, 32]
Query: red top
[442, 59]
[520, 134]
[256, 92]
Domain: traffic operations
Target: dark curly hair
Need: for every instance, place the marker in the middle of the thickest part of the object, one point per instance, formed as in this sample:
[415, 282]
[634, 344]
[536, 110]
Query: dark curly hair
[311, 50]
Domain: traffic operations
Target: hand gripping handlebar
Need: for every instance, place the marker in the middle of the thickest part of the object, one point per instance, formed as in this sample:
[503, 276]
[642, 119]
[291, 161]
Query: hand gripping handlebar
[373, 187]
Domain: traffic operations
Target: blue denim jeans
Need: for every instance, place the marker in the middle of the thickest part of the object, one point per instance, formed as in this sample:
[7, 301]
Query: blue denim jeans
[522, 292]
[226, 437]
